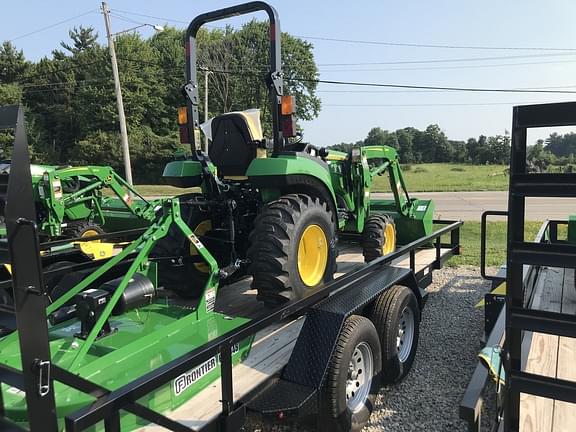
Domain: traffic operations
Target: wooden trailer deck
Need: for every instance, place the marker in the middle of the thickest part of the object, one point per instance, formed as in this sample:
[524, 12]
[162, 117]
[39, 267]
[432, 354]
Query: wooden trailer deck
[271, 348]
[550, 355]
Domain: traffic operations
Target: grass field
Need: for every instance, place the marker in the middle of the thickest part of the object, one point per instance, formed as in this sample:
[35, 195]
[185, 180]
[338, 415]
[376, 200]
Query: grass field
[495, 242]
[419, 178]
[443, 177]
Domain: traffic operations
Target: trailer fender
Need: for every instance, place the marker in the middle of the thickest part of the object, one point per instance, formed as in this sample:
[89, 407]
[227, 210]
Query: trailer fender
[297, 392]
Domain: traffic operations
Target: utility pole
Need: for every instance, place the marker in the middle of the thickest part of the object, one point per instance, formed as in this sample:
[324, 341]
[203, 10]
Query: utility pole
[118, 91]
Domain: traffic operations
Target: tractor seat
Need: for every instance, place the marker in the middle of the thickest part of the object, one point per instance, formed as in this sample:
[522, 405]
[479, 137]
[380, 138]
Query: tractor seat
[234, 142]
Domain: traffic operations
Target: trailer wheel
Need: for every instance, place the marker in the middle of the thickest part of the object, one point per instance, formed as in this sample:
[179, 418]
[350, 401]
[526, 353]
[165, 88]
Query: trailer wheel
[292, 248]
[396, 316]
[353, 378]
[379, 237]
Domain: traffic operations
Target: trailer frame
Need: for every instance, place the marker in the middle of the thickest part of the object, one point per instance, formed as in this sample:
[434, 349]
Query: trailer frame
[345, 295]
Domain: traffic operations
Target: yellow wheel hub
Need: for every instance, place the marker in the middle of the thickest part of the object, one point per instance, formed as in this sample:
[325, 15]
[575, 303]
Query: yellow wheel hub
[312, 255]
[389, 245]
[201, 229]
[90, 233]
[95, 248]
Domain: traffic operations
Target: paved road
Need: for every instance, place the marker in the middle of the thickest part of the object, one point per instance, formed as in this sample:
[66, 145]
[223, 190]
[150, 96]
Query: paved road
[470, 205]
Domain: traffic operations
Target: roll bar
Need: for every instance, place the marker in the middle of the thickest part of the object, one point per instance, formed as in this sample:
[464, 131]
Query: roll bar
[273, 79]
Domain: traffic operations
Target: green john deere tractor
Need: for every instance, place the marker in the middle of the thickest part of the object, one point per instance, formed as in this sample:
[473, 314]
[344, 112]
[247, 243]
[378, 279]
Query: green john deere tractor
[70, 203]
[273, 208]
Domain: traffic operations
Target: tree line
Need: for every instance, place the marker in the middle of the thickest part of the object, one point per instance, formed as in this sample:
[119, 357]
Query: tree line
[432, 145]
[71, 105]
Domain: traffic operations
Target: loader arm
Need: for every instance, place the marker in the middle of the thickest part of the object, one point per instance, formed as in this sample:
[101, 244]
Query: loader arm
[57, 203]
[384, 159]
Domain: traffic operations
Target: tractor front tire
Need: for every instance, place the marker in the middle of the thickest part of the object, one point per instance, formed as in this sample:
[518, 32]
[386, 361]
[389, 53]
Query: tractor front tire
[83, 229]
[379, 237]
[292, 248]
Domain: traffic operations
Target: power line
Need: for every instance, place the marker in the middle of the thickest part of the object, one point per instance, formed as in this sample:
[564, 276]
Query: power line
[126, 19]
[426, 105]
[447, 46]
[401, 86]
[430, 91]
[426, 87]
[454, 60]
[448, 67]
[152, 16]
[403, 44]
[53, 25]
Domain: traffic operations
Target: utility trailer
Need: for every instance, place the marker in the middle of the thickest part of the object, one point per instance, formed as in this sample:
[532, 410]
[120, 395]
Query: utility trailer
[328, 374]
[531, 325]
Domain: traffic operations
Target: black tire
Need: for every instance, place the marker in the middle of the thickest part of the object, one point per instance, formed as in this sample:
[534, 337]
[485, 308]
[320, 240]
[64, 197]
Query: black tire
[357, 330]
[386, 312]
[180, 275]
[82, 228]
[274, 247]
[52, 283]
[374, 236]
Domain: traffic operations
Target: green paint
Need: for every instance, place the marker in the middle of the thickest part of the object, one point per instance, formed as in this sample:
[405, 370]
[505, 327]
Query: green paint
[72, 194]
[145, 339]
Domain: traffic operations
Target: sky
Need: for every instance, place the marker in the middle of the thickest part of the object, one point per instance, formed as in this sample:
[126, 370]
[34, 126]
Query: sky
[349, 112]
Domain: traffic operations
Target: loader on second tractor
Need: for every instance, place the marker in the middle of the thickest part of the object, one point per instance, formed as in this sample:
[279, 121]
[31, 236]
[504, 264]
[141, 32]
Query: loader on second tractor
[273, 208]
[70, 203]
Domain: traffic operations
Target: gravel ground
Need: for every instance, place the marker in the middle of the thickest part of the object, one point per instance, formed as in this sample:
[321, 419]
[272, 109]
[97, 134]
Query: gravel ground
[450, 338]
[450, 334]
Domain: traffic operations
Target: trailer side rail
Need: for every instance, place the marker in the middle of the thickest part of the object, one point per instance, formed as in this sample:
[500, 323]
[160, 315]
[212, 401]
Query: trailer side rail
[109, 405]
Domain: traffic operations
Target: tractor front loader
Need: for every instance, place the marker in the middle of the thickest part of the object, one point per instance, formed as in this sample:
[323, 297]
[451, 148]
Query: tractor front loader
[70, 202]
[273, 208]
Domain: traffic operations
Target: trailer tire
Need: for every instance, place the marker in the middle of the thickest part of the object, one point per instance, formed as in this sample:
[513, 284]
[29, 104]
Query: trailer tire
[396, 316]
[280, 263]
[378, 237]
[357, 347]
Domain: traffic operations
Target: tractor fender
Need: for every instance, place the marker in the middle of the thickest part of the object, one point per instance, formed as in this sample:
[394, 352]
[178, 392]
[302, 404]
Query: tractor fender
[293, 174]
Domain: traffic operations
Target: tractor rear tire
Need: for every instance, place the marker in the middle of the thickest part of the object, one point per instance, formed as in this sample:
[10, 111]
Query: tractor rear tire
[379, 237]
[292, 248]
[185, 278]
